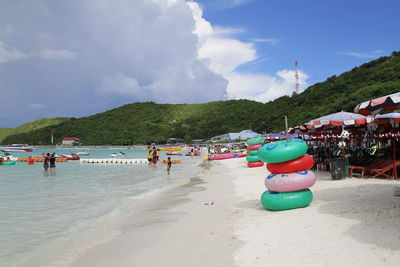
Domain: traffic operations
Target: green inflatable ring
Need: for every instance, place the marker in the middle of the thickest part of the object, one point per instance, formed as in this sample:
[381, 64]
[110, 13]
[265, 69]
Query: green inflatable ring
[252, 158]
[253, 152]
[286, 200]
[255, 141]
[9, 162]
[281, 151]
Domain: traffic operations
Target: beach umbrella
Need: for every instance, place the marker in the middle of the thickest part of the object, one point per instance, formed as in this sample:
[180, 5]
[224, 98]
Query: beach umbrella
[389, 116]
[374, 106]
[280, 136]
[339, 119]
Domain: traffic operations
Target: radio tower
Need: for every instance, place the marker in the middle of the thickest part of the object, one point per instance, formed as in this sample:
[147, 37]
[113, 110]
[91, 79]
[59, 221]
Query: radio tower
[296, 75]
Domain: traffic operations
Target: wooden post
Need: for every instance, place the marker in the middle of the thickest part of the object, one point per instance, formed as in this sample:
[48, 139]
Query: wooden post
[286, 129]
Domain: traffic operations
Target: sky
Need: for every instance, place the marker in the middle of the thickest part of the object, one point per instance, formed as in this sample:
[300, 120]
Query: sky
[77, 58]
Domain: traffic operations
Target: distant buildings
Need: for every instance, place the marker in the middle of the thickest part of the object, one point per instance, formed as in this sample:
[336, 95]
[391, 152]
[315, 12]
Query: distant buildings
[243, 135]
[70, 141]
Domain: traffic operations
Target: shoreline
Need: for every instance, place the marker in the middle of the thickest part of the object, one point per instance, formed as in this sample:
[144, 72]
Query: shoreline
[181, 230]
[351, 222]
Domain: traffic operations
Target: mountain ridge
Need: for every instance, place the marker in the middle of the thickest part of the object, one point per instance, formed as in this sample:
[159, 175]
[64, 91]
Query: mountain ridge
[147, 122]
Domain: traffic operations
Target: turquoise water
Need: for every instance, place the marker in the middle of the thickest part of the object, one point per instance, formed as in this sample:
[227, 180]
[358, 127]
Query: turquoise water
[44, 216]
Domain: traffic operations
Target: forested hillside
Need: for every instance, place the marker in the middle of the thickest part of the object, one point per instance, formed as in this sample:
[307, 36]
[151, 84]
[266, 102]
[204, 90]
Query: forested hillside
[150, 122]
[30, 126]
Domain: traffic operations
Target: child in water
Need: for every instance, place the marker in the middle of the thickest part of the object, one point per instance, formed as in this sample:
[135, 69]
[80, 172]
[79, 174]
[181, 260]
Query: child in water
[169, 163]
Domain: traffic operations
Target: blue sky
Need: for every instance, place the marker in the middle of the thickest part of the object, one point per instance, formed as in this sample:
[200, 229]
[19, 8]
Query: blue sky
[78, 58]
[326, 37]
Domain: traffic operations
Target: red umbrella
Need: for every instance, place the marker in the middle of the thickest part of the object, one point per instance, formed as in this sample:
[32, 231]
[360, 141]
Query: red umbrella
[389, 102]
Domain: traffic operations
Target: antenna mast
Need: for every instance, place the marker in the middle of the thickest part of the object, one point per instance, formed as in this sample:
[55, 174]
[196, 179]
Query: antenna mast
[296, 75]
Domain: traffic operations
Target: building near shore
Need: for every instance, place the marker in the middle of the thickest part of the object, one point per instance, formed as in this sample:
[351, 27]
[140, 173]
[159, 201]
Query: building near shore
[228, 137]
[70, 141]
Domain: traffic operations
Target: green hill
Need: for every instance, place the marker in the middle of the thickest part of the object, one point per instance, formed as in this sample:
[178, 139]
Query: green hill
[150, 122]
[30, 126]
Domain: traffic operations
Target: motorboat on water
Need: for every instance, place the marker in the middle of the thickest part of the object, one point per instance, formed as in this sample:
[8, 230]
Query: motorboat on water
[82, 153]
[73, 156]
[16, 148]
[120, 154]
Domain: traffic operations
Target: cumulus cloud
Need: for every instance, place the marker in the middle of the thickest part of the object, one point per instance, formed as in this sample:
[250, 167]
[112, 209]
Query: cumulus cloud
[84, 57]
[263, 88]
[225, 54]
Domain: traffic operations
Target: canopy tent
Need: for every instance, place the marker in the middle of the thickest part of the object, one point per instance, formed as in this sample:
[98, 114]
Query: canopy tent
[339, 119]
[374, 106]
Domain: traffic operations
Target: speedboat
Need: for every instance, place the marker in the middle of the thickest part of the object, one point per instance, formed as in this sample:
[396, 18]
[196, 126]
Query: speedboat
[16, 147]
[120, 154]
[82, 153]
[73, 156]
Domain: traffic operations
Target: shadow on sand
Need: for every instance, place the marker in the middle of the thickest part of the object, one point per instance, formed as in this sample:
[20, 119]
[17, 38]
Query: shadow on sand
[375, 208]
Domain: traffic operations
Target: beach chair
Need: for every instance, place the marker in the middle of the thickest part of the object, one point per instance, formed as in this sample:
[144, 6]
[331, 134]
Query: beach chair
[383, 170]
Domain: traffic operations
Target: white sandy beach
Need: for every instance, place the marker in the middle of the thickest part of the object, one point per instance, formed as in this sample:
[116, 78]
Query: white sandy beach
[351, 222]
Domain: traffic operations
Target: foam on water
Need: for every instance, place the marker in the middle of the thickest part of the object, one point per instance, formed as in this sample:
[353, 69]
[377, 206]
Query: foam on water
[44, 215]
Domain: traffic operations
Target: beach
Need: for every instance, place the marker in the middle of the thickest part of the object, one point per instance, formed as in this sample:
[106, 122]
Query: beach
[216, 219]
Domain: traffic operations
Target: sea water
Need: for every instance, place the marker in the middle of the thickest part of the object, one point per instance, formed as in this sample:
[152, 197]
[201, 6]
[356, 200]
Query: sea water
[45, 216]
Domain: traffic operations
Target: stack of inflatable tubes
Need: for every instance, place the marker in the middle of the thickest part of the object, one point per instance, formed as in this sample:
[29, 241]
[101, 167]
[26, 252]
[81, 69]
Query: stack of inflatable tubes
[290, 175]
[253, 144]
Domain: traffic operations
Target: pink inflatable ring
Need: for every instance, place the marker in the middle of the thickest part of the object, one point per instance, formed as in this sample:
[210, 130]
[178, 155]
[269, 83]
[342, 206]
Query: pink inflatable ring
[288, 182]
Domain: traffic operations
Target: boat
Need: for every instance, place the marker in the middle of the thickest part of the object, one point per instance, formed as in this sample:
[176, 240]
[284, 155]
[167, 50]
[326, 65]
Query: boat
[16, 147]
[82, 153]
[73, 156]
[120, 154]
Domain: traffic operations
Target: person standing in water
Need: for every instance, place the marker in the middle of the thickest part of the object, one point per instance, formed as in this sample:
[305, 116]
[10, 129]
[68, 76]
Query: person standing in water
[46, 161]
[169, 163]
[53, 162]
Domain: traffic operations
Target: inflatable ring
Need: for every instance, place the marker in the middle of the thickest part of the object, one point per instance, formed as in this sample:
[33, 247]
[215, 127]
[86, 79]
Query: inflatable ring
[255, 164]
[286, 201]
[253, 153]
[253, 147]
[288, 182]
[252, 158]
[281, 151]
[255, 141]
[295, 165]
[12, 162]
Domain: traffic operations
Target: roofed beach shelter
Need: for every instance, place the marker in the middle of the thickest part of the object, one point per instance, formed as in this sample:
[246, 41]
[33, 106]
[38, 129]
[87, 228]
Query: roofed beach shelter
[243, 135]
[70, 141]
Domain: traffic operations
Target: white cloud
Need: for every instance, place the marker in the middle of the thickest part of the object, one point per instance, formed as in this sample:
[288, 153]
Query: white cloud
[264, 88]
[225, 54]
[8, 54]
[36, 106]
[50, 54]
